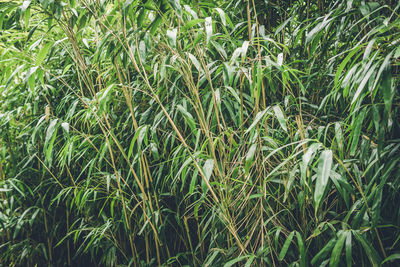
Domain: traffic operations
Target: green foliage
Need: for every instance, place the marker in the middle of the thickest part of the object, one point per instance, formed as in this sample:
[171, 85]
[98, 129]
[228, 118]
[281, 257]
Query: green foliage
[199, 133]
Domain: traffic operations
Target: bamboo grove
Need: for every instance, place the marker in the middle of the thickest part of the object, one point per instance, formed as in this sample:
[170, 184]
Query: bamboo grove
[199, 133]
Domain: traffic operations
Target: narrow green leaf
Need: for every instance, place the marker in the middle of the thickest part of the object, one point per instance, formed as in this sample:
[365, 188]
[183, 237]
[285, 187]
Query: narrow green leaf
[324, 168]
[50, 138]
[349, 255]
[249, 261]
[397, 52]
[258, 117]
[50, 130]
[222, 15]
[387, 89]
[25, 5]
[250, 157]
[320, 26]
[176, 5]
[337, 250]
[289, 183]
[302, 250]
[188, 117]
[368, 49]
[195, 62]
[323, 252]
[392, 257]
[279, 59]
[307, 157]
[371, 253]
[189, 24]
[65, 126]
[357, 131]
[190, 11]
[363, 83]
[43, 53]
[232, 262]
[171, 34]
[344, 63]
[339, 138]
[209, 30]
[384, 66]
[285, 247]
[281, 118]
[208, 168]
[211, 259]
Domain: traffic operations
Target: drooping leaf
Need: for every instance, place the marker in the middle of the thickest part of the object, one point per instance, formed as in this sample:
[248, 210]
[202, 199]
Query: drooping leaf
[43, 53]
[323, 172]
[285, 246]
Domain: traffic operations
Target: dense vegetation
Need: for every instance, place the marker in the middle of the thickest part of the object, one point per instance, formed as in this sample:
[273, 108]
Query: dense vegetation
[200, 133]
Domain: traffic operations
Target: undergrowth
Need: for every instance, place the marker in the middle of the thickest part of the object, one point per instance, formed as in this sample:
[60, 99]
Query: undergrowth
[199, 133]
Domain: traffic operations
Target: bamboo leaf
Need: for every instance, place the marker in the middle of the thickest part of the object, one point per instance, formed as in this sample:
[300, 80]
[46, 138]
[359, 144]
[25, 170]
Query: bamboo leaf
[250, 157]
[357, 131]
[222, 15]
[281, 118]
[258, 117]
[302, 250]
[392, 257]
[209, 29]
[208, 168]
[323, 252]
[337, 250]
[349, 254]
[363, 83]
[171, 34]
[43, 53]
[323, 172]
[236, 260]
[371, 253]
[285, 246]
